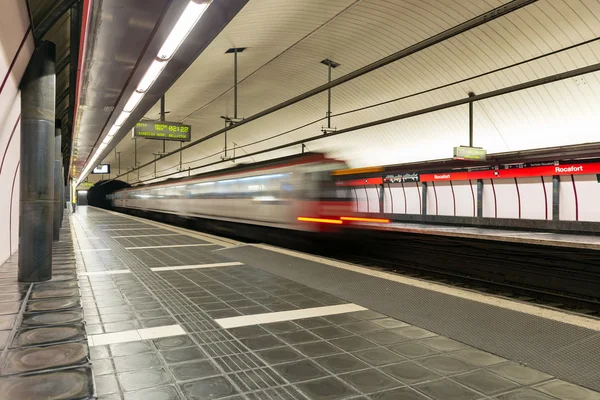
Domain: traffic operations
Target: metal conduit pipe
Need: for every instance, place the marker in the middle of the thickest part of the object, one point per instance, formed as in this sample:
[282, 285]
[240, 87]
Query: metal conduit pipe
[439, 107]
[422, 45]
[57, 220]
[38, 96]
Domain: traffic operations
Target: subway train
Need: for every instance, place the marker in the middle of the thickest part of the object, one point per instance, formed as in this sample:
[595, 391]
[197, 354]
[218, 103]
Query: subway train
[295, 193]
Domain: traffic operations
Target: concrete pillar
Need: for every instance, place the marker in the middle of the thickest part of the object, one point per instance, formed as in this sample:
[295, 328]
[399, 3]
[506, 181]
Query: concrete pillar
[57, 181]
[38, 97]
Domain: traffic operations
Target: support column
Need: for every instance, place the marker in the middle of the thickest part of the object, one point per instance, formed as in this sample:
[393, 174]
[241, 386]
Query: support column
[38, 97]
[480, 198]
[424, 198]
[57, 181]
[556, 198]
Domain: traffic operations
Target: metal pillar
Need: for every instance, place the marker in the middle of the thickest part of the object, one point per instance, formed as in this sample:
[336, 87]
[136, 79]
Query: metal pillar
[38, 97]
[235, 83]
[471, 94]
[480, 198]
[424, 197]
[556, 198]
[57, 181]
[162, 118]
[381, 198]
[330, 66]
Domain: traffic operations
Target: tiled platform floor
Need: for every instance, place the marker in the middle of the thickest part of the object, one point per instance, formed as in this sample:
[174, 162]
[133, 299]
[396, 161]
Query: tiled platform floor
[159, 334]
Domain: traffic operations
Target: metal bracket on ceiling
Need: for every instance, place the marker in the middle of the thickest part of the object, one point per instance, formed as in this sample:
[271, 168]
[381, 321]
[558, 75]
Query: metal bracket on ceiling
[330, 66]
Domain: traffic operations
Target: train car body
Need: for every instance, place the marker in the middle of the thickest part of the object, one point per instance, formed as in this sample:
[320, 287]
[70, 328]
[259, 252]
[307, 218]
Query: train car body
[295, 192]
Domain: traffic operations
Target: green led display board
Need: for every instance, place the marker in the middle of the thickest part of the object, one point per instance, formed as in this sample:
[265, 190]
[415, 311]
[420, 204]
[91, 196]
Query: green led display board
[163, 130]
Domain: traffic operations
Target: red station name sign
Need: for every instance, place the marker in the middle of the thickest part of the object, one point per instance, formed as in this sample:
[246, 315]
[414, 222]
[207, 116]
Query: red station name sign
[546, 170]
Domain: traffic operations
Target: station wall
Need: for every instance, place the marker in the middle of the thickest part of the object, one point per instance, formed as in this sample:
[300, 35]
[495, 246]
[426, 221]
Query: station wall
[16, 47]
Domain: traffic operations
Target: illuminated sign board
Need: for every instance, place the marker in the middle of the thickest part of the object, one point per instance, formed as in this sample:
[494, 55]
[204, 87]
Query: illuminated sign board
[163, 130]
[102, 169]
[470, 153]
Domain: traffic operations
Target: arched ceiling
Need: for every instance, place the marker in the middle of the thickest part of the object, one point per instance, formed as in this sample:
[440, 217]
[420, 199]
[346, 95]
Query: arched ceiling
[286, 41]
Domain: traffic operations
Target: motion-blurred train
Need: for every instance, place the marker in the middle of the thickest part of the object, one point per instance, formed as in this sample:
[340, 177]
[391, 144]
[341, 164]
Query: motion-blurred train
[297, 192]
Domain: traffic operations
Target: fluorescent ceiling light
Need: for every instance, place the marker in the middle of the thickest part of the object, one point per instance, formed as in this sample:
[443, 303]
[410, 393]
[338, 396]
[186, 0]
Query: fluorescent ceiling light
[182, 28]
[122, 118]
[107, 140]
[113, 131]
[134, 100]
[153, 72]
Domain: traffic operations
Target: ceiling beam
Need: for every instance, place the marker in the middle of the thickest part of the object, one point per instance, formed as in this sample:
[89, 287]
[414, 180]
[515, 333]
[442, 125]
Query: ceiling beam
[61, 97]
[53, 17]
[62, 64]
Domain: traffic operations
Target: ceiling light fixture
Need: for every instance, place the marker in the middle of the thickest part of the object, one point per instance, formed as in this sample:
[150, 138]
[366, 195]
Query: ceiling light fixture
[188, 19]
[183, 27]
[134, 100]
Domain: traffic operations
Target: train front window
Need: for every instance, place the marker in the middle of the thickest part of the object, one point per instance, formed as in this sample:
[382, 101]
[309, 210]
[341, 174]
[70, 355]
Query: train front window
[323, 188]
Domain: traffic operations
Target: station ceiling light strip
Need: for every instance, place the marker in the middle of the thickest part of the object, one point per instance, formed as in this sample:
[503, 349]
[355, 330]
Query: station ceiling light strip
[187, 21]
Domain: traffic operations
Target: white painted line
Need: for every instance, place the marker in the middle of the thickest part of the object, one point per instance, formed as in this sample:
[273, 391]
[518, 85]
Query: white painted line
[257, 319]
[169, 246]
[199, 266]
[161, 331]
[135, 335]
[132, 229]
[113, 272]
[113, 338]
[527, 308]
[138, 236]
[83, 250]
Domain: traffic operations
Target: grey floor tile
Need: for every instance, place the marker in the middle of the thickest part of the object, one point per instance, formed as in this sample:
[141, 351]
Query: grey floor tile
[135, 380]
[326, 389]
[300, 371]
[445, 389]
[410, 372]
[385, 338]
[279, 355]
[136, 362]
[281, 327]
[399, 394]
[340, 319]
[362, 327]
[317, 349]
[106, 384]
[331, 332]
[313, 323]
[217, 387]
[486, 382]
[183, 354]
[379, 356]
[156, 393]
[414, 332]
[262, 342]
[413, 350]
[445, 364]
[194, 370]
[567, 391]
[442, 343]
[370, 380]
[129, 349]
[121, 326]
[477, 357]
[103, 367]
[173, 342]
[389, 323]
[524, 394]
[298, 337]
[341, 363]
[353, 343]
[519, 373]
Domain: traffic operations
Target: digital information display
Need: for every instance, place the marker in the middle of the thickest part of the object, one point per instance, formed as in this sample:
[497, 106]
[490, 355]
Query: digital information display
[470, 153]
[163, 130]
[102, 169]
